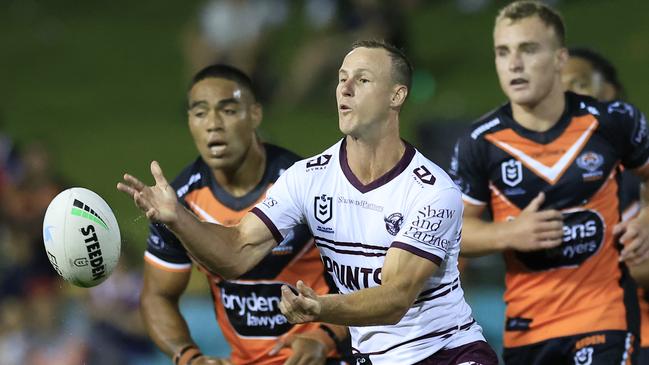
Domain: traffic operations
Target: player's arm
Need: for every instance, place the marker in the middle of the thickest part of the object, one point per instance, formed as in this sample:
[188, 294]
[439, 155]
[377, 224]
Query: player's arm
[402, 279]
[634, 233]
[228, 251]
[533, 229]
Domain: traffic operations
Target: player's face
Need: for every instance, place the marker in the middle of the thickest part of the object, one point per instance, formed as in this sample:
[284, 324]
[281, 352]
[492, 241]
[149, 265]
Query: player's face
[365, 86]
[529, 59]
[222, 120]
[580, 77]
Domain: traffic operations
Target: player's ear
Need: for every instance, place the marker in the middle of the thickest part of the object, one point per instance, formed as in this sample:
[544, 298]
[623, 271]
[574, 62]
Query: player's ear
[399, 96]
[256, 114]
[561, 58]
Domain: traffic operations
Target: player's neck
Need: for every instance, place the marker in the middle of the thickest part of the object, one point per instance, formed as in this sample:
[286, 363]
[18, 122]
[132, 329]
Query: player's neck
[369, 159]
[246, 175]
[543, 115]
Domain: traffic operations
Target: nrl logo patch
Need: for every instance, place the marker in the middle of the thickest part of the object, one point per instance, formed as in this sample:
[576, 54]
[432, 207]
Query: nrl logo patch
[323, 208]
[393, 223]
[512, 172]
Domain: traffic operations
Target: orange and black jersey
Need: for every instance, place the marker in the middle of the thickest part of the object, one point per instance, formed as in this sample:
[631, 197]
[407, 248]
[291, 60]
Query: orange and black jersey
[579, 286]
[247, 308]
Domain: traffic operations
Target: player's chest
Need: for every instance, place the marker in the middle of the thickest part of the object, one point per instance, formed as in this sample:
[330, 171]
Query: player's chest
[575, 171]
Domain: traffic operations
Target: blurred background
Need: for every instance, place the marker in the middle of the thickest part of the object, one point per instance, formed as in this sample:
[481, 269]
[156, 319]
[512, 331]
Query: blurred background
[89, 90]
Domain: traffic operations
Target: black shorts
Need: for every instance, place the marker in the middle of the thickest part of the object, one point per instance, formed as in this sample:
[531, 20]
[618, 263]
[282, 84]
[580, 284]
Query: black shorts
[478, 353]
[594, 348]
[643, 355]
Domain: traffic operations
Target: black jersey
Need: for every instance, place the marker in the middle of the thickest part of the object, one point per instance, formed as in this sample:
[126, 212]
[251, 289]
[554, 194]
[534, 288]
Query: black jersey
[579, 286]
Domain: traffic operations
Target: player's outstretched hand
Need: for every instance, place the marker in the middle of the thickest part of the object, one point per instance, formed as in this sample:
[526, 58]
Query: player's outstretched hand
[300, 308]
[209, 360]
[635, 238]
[536, 229]
[308, 349]
[158, 202]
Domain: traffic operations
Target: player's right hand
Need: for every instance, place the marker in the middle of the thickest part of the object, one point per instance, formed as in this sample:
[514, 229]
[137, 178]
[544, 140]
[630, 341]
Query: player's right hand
[209, 360]
[158, 202]
[535, 229]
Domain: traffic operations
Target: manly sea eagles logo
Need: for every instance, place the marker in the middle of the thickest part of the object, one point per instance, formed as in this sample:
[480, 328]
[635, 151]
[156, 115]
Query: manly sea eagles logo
[393, 223]
[512, 172]
[322, 207]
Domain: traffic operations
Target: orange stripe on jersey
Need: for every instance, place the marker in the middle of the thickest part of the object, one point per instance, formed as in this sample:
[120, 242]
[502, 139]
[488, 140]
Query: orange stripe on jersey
[570, 300]
[502, 207]
[208, 209]
[548, 161]
[644, 319]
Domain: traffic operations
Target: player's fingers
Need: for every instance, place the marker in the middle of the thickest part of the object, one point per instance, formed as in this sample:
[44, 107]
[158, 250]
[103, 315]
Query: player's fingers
[294, 359]
[305, 290]
[551, 215]
[126, 189]
[640, 259]
[550, 243]
[282, 342]
[630, 234]
[554, 228]
[632, 249]
[158, 175]
[620, 227]
[535, 204]
[134, 182]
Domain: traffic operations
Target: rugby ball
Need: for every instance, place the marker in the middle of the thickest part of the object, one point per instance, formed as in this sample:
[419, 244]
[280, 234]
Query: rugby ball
[81, 237]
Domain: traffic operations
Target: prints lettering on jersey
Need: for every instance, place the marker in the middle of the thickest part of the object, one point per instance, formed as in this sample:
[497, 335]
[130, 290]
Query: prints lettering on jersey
[424, 175]
[512, 172]
[360, 203]
[592, 163]
[621, 108]
[185, 188]
[641, 131]
[583, 235]
[253, 310]
[393, 223]
[352, 277]
[426, 225]
[318, 163]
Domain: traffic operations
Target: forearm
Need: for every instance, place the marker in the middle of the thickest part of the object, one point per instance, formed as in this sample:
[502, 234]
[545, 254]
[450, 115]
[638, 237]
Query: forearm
[165, 324]
[217, 248]
[381, 305]
[481, 238]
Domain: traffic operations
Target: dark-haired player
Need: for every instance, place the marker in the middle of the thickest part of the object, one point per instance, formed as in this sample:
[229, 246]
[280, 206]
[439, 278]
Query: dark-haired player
[387, 222]
[589, 73]
[545, 166]
[231, 175]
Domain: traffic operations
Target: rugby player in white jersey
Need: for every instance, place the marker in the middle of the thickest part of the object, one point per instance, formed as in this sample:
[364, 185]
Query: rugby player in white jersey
[387, 222]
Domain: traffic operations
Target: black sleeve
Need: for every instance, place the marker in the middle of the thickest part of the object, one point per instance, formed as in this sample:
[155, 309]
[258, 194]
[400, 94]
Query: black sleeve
[163, 244]
[631, 133]
[468, 169]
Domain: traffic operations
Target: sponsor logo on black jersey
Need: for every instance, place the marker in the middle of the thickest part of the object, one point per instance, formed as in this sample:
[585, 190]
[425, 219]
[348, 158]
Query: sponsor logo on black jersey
[512, 172]
[424, 175]
[485, 127]
[323, 208]
[253, 309]
[641, 130]
[592, 163]
[583, 235]
[318, 162]
[621, 108]
[517, 324]
[393, 223]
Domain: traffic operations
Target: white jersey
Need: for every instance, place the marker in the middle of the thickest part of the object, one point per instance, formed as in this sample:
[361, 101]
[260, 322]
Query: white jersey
[414, 207]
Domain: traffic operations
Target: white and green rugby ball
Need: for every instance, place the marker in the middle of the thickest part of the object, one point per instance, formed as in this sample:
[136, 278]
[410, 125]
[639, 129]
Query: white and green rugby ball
[81, 237]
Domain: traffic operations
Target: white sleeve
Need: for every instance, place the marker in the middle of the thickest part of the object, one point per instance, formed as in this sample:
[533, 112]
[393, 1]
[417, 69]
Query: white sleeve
[433, 227]
[281, 210]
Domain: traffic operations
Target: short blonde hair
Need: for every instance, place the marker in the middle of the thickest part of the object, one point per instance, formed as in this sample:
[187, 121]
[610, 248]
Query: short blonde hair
[526, 8]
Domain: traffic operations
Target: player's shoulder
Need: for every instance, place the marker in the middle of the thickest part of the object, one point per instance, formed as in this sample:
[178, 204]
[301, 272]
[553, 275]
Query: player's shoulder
[318, 164]
[278, 160]
[193, 176]
[606, 112]
[493, 121]
[429, 176]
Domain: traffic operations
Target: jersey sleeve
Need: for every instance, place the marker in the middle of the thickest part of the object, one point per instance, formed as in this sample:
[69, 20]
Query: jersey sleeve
[467, 169]
[165, 251]
[281, 210]
[632, 132]
[433, 227]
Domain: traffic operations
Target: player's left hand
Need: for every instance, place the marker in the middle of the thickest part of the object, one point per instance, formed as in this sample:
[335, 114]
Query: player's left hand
[307, 348]
[635, 238]
[209, 360]
[300, 308]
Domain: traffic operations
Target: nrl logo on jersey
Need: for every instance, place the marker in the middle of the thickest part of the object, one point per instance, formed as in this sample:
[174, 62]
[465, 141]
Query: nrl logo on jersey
[323, 208]
[318, 163]
[512, 172]
[393, 223]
